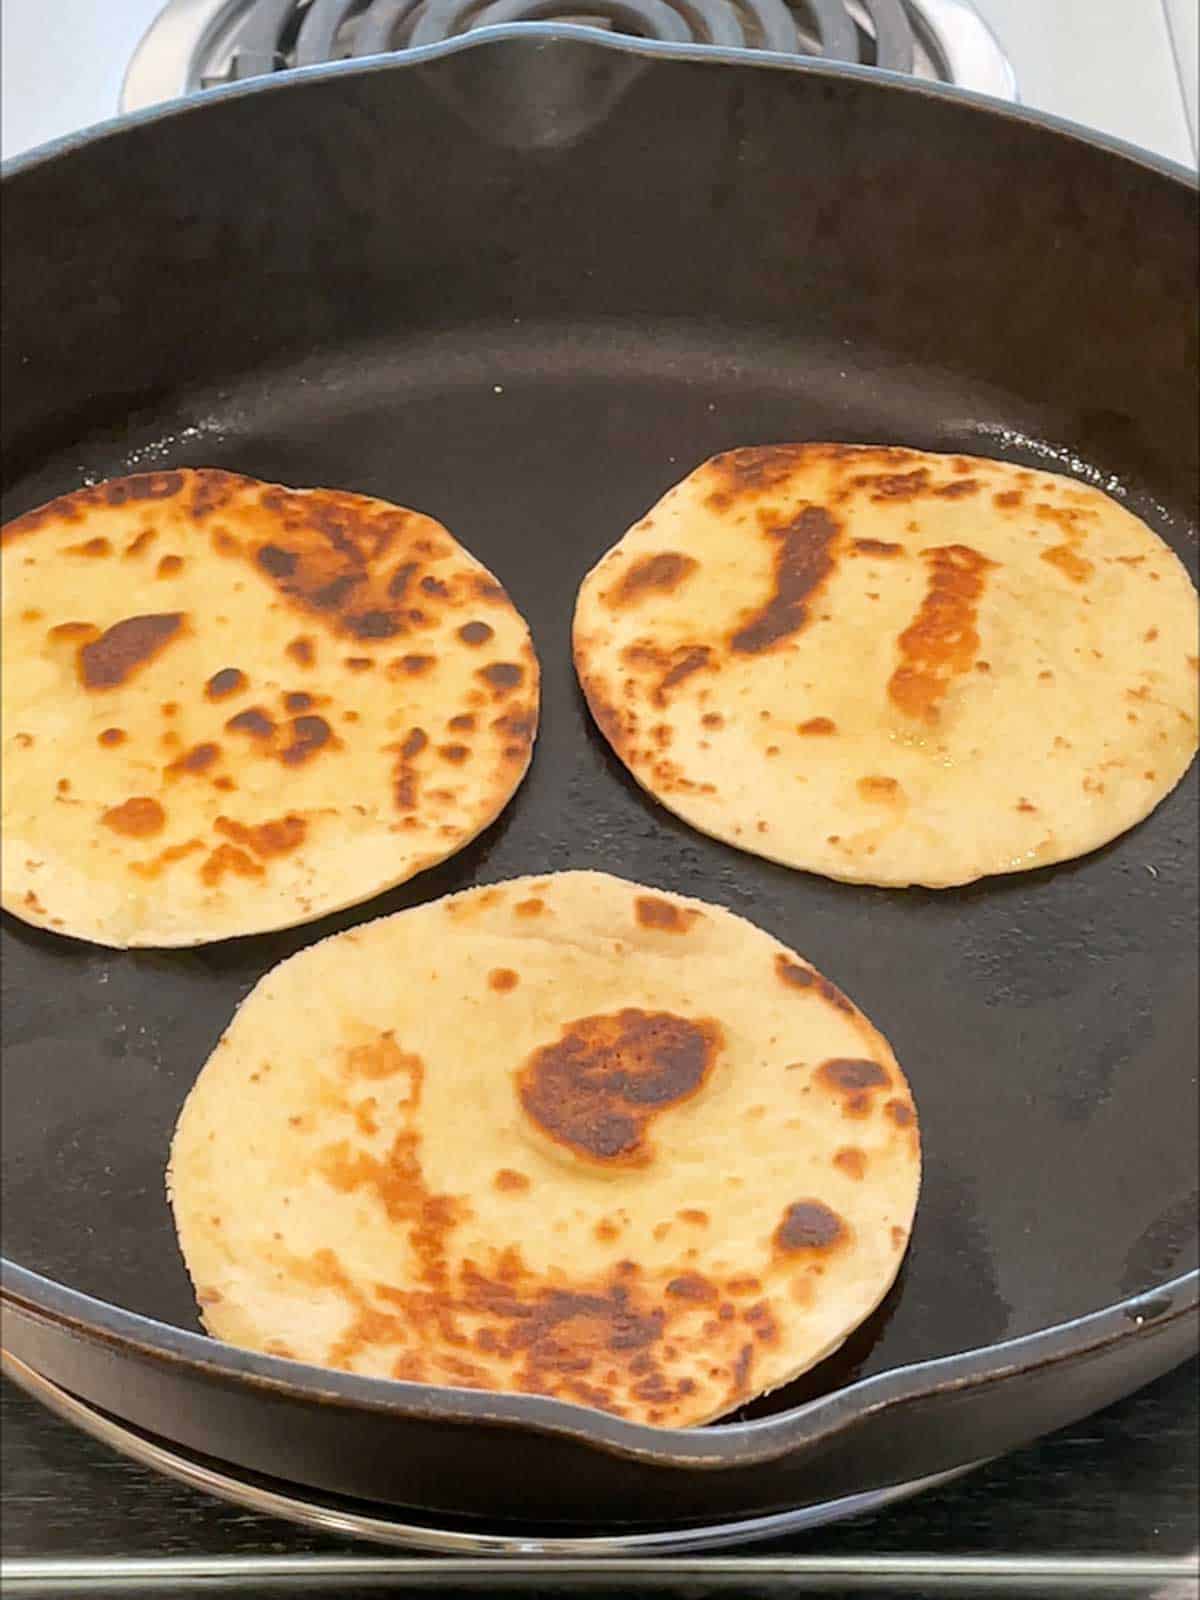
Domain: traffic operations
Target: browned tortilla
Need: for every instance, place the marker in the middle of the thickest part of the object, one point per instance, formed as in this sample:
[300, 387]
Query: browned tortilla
[232, 706]
[890, 666]
[588, 1139]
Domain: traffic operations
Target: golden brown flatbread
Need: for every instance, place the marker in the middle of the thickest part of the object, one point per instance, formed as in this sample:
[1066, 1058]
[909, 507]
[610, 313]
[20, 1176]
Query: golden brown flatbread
[564, 1135]
[231, 706]
[893, 667]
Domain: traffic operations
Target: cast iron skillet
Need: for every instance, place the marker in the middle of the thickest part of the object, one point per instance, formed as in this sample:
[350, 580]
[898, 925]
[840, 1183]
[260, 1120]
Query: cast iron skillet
[524, 282]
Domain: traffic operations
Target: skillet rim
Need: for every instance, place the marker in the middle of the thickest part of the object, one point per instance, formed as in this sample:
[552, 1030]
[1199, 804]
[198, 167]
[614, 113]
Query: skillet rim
[717, 1445]
[720, 1445]
[544, 34]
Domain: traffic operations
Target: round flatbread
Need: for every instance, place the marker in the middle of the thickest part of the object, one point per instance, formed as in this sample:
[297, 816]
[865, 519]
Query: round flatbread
[892, 667]
[588, 1139]
[231, 706]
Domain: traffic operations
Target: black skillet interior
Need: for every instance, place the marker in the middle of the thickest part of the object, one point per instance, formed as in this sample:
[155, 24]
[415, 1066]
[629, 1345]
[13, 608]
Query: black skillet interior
[524, 286]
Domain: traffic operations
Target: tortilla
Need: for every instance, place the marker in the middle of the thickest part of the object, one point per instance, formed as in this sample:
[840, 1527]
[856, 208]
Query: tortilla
[586, 1139]
[231, 706]
[892, 667]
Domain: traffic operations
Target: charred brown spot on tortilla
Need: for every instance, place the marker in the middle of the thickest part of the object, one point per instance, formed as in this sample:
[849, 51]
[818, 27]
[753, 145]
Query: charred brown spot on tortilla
[941, 642]
[687, 662]
[400, 579]
[900, 1112]
[375, 625]
[653, 912]
[254, 721]
[456, 754]
[598, 1086]
[165, 858]
[809, 1226]
[694, 1216]
[141, 486]
[415, 666]
[63, 509]
[798, 977]
[274, 838]
[308, 735]
[228, 858]
[759, 1318]
[359, 663]
[850, 1160]
[226, 682]
[297, 700]
[475, 633]
[195, 761]
[510, 1182]
[743, 1285]
[98, 546]
[848, 1076]
[380, 1058]
[1069, 561]
[1007, 499]
[116, 492]
[789, 972]
[327, 562]
[138, 818]
[662, 573]
[302, 651]
[898, 486]
[404, 777]
[877, 787]
[68, 631]
[817, 726]
[169, 566]
[502, 676]
[616, 725]
[876, 547]
[741, 1368]
[502, 979]
[804, 559]
[126, 647]
[673, 667]
[213, 489]
[712, 719]
[692, 1286]
[414, 743]
[278, 563]
[957, 489]
[111, 737]
[752, 471]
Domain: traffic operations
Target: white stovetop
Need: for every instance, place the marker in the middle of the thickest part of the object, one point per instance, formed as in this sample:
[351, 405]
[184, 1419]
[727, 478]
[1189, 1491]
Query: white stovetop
[1126, 66]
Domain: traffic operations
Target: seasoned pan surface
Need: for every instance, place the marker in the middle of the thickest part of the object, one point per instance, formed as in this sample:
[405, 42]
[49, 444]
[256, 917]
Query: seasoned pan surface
[1046, 1021]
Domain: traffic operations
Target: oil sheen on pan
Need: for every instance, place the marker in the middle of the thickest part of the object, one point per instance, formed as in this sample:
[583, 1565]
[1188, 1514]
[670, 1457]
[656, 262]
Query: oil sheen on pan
[231, 706]
[893, 667]
[689, 1170]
